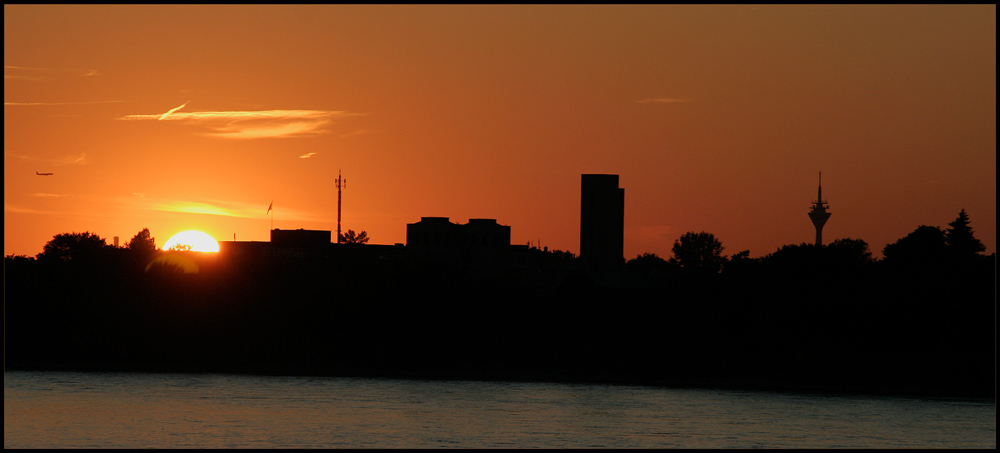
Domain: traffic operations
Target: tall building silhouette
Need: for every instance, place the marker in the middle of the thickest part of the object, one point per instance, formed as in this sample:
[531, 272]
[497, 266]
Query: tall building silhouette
[602, 222]
[818, 212]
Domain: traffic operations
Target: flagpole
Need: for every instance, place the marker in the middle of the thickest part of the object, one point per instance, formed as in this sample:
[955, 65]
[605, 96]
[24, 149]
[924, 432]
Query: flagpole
[270, 210]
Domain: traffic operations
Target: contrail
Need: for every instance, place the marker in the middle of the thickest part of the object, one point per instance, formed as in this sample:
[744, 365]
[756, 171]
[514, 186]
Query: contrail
[172, 110]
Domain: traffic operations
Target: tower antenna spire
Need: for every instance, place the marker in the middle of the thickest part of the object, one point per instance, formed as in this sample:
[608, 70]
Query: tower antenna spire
[819, 190]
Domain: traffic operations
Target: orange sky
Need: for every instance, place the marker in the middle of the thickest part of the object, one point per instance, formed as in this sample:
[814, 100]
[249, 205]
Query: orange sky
[718, 118]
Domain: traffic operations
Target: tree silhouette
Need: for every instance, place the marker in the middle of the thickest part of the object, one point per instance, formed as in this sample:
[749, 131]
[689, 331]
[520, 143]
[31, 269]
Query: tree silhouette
[792, 256]
[738, 262]
[849, 251]
[745, 254]
[350, 237]
[19, 258]
[961, 239]
[181, 248]
[698, 252]
[142, 242]
[73, 246]
[926, 244]
[647, 263]
[562, 255]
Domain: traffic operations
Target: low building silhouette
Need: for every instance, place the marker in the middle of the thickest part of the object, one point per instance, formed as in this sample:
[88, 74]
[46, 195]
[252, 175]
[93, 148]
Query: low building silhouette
[480, 242]
[315, 246]
[301, 238]
[439, 232]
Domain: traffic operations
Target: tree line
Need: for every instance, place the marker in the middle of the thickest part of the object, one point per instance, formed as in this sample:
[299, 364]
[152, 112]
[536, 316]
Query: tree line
[921, 319]
[701, 254]
[693, 253]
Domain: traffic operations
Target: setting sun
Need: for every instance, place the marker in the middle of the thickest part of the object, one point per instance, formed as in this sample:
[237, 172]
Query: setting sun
[192, 240]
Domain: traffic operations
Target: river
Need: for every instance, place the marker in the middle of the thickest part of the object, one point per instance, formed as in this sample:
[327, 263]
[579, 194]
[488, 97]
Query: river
[137, 410]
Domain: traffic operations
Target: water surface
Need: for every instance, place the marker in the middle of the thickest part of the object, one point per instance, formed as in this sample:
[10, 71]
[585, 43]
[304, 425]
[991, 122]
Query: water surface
[135, 410]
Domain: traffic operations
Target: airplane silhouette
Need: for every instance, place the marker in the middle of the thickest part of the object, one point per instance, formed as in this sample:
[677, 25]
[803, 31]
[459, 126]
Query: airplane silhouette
[42, 174]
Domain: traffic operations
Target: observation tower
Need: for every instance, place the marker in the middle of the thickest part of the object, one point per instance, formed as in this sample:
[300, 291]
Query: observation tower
[818, 212]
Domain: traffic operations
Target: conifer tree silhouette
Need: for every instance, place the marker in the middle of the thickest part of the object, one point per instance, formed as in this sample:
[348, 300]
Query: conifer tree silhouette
[961, 239]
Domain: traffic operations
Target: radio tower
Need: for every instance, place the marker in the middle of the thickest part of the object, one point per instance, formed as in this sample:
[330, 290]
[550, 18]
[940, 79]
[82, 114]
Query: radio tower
[818, 212]
[341, 183]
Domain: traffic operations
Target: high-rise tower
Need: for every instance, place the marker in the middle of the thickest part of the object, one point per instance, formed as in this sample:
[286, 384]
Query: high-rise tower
[818, 212]
[602, 222]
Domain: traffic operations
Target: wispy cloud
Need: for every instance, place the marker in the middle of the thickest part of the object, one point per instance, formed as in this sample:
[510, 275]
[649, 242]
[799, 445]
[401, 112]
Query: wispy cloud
[199, 208]
[7, 155]
[250, 123]
[270, 130]
[652, 233]
[242, 210]
[19, 210]
[59, 103]
[30, 73]
[144, 202]
[307, 155]
[661, 101]
[164, 116]
[141, 202]
[73, 160]
[68, 160]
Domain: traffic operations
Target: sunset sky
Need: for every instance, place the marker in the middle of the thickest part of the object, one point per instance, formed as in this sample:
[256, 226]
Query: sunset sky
[717, 118]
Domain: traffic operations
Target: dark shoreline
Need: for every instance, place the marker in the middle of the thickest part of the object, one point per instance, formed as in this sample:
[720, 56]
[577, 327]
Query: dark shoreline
[758, 326]
[712, 385]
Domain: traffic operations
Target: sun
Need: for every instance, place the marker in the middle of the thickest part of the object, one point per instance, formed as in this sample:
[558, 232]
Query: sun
[192, 240]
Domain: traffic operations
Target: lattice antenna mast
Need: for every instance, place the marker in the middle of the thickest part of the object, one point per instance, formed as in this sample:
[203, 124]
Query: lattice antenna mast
[341, 183]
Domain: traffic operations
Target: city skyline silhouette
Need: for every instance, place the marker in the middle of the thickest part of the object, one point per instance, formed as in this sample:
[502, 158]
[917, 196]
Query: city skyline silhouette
[461, 302]
[624, 200]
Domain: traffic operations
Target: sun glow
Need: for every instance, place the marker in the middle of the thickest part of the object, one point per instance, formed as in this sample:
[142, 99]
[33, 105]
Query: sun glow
[192, 240]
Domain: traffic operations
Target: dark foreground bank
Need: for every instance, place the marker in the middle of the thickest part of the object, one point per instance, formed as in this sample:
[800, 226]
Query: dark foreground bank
[877, 332]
